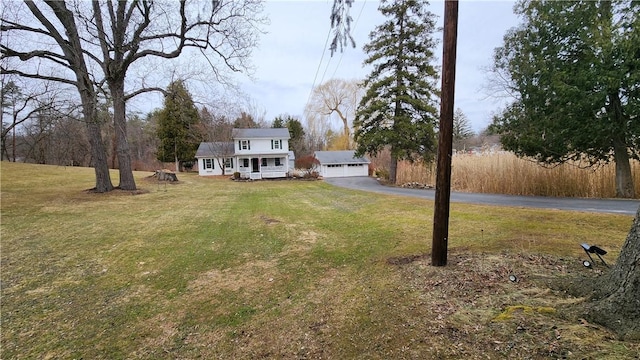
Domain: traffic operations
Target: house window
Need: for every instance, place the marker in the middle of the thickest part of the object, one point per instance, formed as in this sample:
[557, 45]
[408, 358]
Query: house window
[264, 161]
[278, 162]
[207, 164]
[228, 163]
[244, 144]
[245, 163]
[334, 165]
[276, 144]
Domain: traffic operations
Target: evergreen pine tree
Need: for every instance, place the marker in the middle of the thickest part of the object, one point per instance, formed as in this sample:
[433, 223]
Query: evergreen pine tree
[399, 109]
[177, 126]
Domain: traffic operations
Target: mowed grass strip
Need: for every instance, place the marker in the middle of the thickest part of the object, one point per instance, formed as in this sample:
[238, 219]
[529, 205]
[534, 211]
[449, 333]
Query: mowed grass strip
[211, 268]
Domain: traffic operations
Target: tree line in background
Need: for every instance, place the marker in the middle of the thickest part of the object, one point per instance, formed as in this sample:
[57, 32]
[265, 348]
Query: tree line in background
[563, 110]
[47, 130]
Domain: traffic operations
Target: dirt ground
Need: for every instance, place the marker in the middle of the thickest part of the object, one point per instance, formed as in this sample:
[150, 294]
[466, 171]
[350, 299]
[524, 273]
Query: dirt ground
[510, 306]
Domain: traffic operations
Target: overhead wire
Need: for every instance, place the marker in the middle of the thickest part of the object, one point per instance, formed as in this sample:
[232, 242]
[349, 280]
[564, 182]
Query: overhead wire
[329, 62]
[324, 50]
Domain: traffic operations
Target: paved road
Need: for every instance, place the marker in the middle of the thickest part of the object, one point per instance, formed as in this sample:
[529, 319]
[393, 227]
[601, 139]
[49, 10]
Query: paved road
[614, 206]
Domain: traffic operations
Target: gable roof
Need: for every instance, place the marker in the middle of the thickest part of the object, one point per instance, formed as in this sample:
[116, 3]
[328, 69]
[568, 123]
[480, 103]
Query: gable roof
[339, 157]
[215, 149]
[268, 133]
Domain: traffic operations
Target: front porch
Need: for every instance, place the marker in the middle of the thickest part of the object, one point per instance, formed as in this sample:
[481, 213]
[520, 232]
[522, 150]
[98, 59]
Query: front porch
[257, 168]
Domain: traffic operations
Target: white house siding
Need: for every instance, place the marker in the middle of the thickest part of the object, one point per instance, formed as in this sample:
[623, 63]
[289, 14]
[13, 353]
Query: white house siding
[203, 170]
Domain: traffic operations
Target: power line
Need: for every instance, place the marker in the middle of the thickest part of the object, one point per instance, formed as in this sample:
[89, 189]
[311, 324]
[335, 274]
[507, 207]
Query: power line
[329, 62]
[324, 50]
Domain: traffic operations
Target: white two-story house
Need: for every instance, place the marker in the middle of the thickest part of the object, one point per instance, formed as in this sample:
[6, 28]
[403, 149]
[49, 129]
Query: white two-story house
[254, 153]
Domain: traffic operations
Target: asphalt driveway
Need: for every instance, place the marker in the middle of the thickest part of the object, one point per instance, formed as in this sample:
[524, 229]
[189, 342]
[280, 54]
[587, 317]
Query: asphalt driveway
[613, 206]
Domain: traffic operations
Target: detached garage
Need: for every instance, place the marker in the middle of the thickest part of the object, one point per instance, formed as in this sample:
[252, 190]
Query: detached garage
[341, 164]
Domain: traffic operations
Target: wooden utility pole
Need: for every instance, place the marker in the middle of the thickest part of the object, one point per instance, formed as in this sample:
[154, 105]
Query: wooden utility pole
[443, 170]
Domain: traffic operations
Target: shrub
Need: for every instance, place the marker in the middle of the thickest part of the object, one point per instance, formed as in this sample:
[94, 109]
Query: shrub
[311, 175]
[382, 173]
[309, 164]
[236, 175]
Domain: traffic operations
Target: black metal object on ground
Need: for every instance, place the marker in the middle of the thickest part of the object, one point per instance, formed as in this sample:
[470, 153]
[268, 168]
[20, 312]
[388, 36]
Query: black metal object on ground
[594, 250]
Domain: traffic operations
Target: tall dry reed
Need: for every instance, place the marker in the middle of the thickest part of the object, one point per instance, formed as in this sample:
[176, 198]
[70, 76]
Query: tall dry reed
[504, 173]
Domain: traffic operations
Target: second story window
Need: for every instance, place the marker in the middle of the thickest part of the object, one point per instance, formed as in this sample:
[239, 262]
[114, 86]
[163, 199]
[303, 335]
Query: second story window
[244, 144]
[276, 144]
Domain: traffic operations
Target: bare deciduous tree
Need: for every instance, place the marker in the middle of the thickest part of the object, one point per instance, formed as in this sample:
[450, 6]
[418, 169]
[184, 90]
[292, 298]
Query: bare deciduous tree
[113, 36]
[20, 105]
[339, 97]
[317, 131]
[59, 45]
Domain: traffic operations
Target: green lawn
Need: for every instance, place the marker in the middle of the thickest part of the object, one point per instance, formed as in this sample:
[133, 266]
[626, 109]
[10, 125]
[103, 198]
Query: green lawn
[211, 268]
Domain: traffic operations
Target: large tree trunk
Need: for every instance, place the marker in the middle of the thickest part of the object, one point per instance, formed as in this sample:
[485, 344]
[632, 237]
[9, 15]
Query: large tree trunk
[127, 182]
[393, 169]
[617, 304]
[98, 150]
[624, 178]
[74, 54]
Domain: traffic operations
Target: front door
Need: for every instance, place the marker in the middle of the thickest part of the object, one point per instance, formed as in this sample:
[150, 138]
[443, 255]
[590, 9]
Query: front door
[254, 165]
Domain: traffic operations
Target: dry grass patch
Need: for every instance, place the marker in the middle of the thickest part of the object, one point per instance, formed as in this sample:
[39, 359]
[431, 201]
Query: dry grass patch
[243, 270]
[504, 173]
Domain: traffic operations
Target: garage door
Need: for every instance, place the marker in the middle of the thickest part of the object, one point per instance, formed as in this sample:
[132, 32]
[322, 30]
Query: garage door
[356, 170]
[333, 170]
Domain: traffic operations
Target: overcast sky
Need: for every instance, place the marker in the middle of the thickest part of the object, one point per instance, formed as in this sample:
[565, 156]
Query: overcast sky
[292, 56]
[293, 52]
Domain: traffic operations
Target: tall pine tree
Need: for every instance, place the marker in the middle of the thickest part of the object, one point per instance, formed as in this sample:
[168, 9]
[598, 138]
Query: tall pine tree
[177, 126]
[399, 109]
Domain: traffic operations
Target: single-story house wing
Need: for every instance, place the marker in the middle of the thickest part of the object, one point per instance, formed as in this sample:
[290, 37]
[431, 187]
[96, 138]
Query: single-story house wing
[341, 164]
[213, 157]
